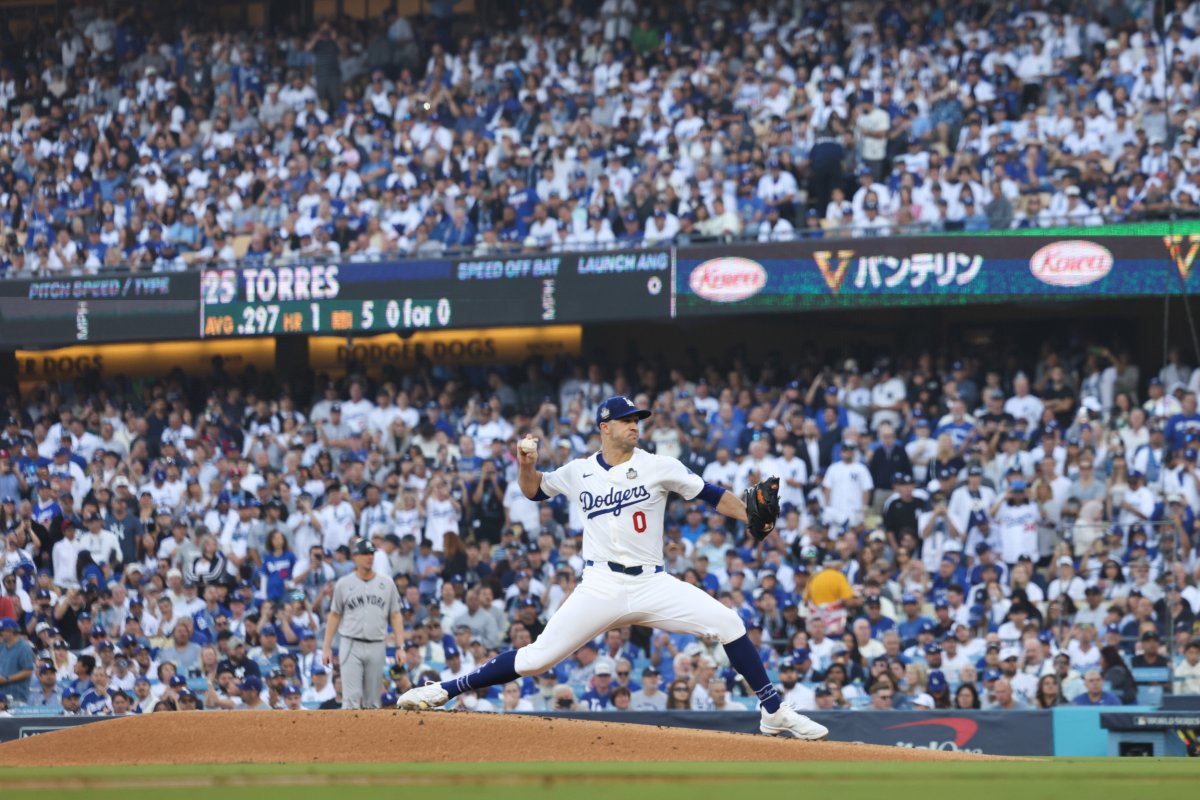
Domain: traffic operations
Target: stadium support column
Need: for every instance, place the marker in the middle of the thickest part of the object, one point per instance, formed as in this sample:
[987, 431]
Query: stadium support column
[8, 374]
[291, 359]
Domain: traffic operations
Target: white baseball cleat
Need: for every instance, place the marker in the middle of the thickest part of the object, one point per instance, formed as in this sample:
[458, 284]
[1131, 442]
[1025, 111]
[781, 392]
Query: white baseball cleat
[787, 722]
[420, 698]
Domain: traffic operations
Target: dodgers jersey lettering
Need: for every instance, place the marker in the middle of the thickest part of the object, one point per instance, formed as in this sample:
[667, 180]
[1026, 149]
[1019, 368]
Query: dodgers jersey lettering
[623, 505]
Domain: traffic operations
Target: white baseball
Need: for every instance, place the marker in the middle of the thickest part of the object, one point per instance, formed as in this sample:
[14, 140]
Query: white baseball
[528, 445]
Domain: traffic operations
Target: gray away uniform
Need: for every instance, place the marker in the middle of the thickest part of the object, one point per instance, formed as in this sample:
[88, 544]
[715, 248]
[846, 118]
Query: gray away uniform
[365, 608]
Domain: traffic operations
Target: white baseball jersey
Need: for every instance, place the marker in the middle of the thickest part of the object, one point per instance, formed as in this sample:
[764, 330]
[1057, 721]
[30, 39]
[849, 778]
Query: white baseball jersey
[623, 505]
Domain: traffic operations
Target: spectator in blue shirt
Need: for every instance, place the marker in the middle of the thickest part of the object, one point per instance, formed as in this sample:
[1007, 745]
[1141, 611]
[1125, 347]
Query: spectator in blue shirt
[913, 620]
[1185, 425]
[16, 661]
[1095, 694]
[597, 697]
[879, 623]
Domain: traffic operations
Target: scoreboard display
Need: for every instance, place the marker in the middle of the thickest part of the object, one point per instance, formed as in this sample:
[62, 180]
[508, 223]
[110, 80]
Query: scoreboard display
[351, 299]
[364, 299]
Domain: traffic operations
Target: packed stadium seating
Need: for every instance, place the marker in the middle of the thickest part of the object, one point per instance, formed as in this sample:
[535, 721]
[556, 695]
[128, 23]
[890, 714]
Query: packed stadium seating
[145, 537]
[126, 144]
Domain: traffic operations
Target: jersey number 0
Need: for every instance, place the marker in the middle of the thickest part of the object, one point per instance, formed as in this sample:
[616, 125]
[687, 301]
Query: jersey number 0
[639, 521]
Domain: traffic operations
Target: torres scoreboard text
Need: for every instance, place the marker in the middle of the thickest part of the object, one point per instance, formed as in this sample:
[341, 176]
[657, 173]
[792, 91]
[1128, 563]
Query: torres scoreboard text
[351, 299]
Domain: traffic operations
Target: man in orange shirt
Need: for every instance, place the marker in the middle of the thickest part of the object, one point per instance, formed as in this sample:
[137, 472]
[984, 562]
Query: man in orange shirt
[829, 594]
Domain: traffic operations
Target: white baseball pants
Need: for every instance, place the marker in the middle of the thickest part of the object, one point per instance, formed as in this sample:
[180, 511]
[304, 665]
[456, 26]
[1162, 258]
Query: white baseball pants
[605, 600]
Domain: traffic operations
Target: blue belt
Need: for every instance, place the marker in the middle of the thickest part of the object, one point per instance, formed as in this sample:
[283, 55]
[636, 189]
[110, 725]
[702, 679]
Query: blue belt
[615, 567]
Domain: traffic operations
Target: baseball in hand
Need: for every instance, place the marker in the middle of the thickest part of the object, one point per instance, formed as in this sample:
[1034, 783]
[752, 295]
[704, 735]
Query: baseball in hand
[528, 445]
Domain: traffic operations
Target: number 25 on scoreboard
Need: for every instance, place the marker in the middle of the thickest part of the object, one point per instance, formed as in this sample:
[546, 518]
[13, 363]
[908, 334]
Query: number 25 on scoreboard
[219, 286]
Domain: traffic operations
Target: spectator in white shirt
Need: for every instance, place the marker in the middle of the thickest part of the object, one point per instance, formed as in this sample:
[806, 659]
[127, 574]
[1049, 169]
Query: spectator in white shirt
[847, 485]
[660, 228]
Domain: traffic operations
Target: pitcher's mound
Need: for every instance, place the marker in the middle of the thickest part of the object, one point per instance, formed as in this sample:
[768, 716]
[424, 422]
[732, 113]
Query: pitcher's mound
[274, 737]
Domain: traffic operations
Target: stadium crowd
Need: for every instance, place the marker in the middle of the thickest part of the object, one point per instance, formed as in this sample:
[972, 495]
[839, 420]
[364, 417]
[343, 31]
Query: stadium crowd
[125, 143]
[955, 534]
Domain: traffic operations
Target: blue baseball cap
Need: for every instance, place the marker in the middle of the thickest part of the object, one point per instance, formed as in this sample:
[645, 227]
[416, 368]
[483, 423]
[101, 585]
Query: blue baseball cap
[932, 647]
[251, 683]
[451, 651]
[619, 407]
[290, 689]
[908, 597]
[800, 655]
[937, 681]
[388, 699]
[1112, 627]
[991, 675]
[1019, 486]
[7, 624]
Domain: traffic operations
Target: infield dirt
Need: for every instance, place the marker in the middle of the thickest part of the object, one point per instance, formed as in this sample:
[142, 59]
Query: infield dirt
[300, 737]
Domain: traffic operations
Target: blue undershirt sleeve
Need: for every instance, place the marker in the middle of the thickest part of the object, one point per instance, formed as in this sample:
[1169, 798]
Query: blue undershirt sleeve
[711, 494]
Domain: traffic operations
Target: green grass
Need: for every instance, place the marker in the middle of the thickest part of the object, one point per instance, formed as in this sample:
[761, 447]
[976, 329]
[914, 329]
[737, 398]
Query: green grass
[1039, 780]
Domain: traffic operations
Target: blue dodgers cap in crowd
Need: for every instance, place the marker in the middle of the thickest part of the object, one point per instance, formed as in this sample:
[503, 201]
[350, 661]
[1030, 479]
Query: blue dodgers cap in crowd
[800, 655]
[452, 651]
[908, 597]
[71, 693]
[250, 683]
[619, 407]
[177, 680]
[1112, 627]
[291, 689]
[318, 669]
[388, 700]
[1019, 485]
[937, 681]
[932, 647]
[991, 675]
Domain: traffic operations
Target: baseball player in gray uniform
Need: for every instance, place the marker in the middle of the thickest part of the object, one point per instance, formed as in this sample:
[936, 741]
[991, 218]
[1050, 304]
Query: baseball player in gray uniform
[363, 604]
